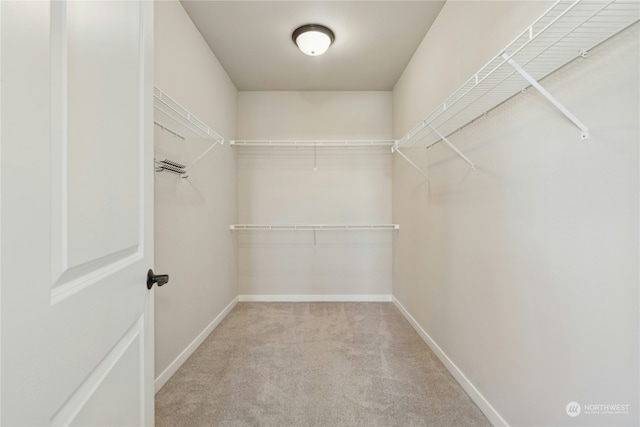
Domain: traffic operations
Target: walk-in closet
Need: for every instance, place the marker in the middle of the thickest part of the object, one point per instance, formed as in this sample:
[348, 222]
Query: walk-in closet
[487, 196]
[320, 213]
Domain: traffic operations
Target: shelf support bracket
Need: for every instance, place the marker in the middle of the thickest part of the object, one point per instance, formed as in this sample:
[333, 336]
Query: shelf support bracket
[453, 147]
[416, 167]
[200, 157]
[584, 130]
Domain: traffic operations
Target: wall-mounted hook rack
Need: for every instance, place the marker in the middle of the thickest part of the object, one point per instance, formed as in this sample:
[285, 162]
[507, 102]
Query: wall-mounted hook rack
[167, 165]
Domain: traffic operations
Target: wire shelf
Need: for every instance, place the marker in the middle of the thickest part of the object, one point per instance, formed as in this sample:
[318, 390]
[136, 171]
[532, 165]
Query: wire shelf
[313, 227]
[174, 118]
[312, 143]
[566, 31]
[179, 120]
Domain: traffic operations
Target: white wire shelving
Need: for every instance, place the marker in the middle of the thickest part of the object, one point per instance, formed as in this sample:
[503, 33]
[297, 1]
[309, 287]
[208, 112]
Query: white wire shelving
[317, 145]
[566, 31]
[172, 117]
[312, 143]
[313, 227]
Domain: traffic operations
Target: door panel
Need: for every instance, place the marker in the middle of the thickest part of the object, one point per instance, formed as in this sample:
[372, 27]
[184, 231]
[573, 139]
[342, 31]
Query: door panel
[76, 213]
[127, 401]
[103, 164]
[96, 167]
[104, 384]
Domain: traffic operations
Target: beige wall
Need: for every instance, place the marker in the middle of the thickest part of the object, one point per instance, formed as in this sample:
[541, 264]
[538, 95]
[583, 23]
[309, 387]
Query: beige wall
[525, 271]
[314, 115]
[277, 186]
[192, 216]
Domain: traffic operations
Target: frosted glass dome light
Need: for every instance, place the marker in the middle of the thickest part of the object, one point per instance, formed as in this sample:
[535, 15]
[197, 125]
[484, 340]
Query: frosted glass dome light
[313, 39]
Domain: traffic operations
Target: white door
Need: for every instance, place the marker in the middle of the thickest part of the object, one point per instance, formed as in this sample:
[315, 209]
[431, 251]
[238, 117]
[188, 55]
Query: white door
[76, 213]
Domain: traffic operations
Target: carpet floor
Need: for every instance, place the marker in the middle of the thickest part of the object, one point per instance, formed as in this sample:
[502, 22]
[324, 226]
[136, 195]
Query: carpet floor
[314, 364]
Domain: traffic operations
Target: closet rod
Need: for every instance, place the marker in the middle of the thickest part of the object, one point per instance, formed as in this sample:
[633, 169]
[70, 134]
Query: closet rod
[166, 129]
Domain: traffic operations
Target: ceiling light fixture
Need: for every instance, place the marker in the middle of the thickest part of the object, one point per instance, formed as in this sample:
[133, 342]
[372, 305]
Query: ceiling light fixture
[313, 39]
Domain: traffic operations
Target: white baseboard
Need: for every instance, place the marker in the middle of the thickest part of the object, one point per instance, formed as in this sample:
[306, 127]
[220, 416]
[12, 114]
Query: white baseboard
[315, 298]
[471, 390]
[182, 357]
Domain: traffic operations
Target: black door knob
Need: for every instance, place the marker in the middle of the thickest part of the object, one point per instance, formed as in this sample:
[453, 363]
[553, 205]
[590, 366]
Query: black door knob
[160, 279]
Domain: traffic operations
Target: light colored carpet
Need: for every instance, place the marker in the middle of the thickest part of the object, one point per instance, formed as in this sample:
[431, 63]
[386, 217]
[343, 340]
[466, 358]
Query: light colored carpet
[314, 364]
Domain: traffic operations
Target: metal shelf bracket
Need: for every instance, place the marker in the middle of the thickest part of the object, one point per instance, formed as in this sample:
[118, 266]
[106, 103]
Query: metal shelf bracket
[584, 130]
[453, 147]
[416, 167]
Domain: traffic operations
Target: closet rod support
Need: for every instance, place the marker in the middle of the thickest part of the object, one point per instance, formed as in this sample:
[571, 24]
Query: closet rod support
[413, 164]
[584, 130]
[453, 147]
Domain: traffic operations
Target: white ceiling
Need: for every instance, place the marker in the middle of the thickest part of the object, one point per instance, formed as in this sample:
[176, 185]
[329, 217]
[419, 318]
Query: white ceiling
[374, 41]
